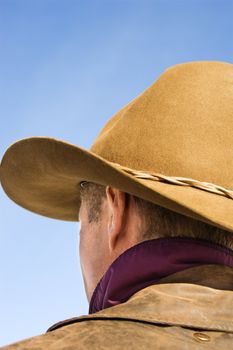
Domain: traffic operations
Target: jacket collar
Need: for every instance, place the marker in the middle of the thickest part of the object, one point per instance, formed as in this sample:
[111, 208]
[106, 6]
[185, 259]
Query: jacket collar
[193, 300]
[200, 297]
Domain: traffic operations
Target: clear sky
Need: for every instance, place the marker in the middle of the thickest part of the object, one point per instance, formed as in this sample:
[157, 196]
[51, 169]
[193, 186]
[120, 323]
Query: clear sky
[65, 68]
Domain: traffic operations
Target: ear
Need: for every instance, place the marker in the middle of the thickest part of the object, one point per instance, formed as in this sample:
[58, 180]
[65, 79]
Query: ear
[116, 201]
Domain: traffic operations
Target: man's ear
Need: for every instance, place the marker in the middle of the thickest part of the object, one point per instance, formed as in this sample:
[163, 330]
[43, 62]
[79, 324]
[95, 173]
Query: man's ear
[116, 201]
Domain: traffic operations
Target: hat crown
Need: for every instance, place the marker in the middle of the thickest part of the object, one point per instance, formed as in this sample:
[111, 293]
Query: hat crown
[180, 126]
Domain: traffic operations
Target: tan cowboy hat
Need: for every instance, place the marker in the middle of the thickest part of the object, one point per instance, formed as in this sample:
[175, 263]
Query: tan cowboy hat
[171, 145]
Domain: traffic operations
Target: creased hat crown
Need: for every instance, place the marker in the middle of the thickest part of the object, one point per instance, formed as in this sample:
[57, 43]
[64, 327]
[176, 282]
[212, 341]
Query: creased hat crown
[180, 126]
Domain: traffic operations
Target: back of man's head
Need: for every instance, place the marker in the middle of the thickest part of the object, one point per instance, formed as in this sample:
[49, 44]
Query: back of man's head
[158, 221]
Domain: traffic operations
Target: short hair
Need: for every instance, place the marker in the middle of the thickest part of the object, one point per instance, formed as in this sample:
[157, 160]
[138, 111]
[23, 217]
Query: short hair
[157, 221]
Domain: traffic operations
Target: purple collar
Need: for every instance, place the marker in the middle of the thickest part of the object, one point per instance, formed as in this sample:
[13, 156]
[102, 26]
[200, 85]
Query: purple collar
[147, 262]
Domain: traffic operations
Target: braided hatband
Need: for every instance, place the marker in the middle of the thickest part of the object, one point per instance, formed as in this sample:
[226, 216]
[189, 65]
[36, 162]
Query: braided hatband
[174, 180]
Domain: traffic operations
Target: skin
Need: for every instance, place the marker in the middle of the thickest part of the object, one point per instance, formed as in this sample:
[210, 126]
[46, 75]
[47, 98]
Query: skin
[102, 242]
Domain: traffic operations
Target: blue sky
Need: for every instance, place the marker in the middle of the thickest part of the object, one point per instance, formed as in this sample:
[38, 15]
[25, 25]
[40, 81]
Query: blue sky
[65, 68]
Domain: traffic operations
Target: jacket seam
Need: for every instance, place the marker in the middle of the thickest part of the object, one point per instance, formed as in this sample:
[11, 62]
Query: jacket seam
[159, 323]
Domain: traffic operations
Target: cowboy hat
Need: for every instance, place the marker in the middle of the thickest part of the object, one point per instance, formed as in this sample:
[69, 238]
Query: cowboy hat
[171, 145]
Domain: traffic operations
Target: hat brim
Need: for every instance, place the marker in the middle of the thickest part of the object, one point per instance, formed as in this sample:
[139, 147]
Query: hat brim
[43, 175]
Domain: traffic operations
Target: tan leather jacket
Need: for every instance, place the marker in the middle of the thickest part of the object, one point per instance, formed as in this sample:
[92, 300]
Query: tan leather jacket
[191, 309]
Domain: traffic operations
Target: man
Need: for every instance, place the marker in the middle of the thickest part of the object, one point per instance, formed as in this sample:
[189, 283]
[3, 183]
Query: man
[155, 202]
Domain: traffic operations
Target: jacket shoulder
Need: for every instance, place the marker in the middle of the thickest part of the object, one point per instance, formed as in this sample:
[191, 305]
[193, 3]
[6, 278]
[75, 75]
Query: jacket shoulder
[126, 334]
[177, 316]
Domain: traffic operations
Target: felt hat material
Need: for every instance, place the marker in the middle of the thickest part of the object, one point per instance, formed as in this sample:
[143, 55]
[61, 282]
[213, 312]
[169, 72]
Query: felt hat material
[171, 145]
